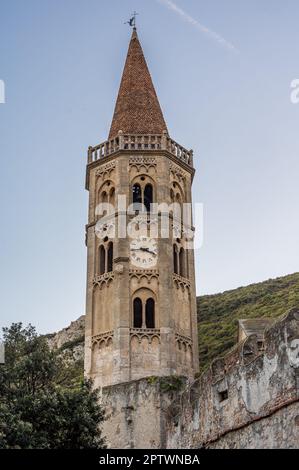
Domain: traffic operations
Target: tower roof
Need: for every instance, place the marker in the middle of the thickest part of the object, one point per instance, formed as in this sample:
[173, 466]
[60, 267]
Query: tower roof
[137, 109]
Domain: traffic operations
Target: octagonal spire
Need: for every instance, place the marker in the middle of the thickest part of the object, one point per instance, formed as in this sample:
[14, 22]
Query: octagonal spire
[137, 109]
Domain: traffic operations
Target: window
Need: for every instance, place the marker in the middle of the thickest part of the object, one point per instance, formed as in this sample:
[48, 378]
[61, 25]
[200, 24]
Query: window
[182, 262]
[102, 260]
[112, 197]
[110, 258]
[223, 395]
[150, 313]
[143, 194]
[143, 312]
[137, 306]
[137, 196]
[172, 195]
[175, 260]
[148, 197]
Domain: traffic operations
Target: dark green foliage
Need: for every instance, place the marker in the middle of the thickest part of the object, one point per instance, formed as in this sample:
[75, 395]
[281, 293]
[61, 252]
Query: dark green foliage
[42, 403]
[171, 383]
[218, 314]
[72, 344]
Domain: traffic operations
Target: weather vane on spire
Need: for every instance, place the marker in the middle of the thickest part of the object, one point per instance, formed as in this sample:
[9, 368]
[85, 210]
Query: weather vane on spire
[132, 21]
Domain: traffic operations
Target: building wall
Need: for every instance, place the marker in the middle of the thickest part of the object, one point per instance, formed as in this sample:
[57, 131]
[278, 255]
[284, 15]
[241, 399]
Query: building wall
[135, 413]
[248, 399]
[115, 351]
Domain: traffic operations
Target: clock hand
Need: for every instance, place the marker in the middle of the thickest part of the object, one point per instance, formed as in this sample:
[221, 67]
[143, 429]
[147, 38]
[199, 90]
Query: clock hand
[147, 250]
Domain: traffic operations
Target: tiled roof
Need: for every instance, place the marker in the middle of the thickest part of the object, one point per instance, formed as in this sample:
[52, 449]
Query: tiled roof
[137, 109]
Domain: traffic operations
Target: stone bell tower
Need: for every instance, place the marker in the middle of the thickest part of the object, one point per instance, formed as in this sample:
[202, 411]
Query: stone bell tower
[141, 302]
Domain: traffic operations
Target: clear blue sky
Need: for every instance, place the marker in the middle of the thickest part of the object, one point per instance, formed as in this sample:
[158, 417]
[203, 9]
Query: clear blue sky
[61, 61]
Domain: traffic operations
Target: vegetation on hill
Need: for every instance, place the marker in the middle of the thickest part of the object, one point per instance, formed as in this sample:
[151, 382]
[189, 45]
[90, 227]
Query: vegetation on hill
[43, 402]
[218, 314]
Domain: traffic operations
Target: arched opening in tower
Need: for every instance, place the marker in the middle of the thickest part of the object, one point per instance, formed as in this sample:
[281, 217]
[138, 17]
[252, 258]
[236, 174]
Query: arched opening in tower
[110, 258]
[137, 307]
[148, 197]
[102, 256]
[150, 313]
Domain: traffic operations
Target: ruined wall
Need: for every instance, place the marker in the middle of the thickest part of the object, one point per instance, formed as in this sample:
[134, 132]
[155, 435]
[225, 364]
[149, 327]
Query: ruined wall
[135, 412]
[248, 399]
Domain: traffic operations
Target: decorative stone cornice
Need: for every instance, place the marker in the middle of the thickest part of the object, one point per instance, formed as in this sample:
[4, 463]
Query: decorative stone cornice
[102, 338]
[105, 170]
[180, 281]
[183, 340]
[177, 172]
[148, 333]
[103, 279]
[147, 274]
[139, 162]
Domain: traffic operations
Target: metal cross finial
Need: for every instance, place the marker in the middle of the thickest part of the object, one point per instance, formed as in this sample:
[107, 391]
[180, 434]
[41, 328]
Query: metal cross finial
[132, 21]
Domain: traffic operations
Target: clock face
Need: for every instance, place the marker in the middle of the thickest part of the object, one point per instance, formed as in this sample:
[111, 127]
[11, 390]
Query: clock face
[144, 252]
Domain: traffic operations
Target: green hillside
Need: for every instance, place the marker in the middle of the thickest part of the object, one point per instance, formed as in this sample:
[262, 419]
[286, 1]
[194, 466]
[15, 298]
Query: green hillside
[218, 314]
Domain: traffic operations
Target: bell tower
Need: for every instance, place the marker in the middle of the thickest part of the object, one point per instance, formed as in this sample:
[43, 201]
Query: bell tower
[141, 301]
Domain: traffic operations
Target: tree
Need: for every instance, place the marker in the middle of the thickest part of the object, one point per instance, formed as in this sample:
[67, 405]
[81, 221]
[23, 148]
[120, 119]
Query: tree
[41, 406]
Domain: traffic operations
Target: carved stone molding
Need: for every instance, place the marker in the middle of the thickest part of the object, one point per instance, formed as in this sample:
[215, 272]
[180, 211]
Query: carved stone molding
[102, 339]
[147, 274]
[148, 333]
[183, 340]
[103, 279]
[181, 282]
[177, 173]
[140, 162]
[105, 170]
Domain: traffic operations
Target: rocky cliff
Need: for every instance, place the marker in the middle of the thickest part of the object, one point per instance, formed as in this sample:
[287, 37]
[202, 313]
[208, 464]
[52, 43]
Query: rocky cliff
[70, 340]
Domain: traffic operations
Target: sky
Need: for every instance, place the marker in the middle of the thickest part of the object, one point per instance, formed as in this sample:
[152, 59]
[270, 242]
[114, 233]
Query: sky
[222, 72]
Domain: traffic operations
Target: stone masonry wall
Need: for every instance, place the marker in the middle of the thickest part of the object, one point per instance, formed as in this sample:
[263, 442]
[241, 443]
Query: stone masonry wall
[136, 411]
[248, 399]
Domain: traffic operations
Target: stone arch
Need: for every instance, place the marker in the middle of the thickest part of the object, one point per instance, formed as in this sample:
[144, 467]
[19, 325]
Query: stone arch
[143, 190]
[110, 257]
[106, 194]
[101, 260]
[144, 309]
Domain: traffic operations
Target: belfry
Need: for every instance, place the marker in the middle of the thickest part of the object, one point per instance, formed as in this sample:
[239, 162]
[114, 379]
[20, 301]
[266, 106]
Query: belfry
[141, 301]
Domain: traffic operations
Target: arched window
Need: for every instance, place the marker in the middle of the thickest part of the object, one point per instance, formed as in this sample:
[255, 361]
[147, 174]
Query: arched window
[148, 197]
[102, 260]
[137, 307]
[110, 258]
[150, 313]
[112, 197]
[171, 195]
[182, 262]
[175, 260]
[137, 195]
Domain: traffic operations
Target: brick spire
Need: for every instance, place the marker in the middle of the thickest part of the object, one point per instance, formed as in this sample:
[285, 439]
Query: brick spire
[137, 109]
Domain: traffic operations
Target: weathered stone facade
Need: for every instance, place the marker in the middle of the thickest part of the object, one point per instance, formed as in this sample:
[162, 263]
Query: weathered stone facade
[261, 409]
[141, 322]
[248, 399]
[119, 348]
